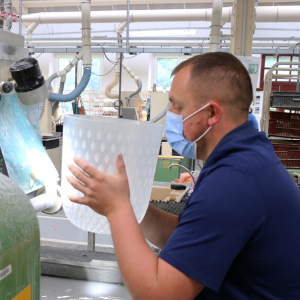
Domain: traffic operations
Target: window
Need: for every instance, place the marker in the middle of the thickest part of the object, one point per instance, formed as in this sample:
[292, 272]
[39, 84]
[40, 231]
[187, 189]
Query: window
[279, 84]
[94, 83]
[164, 68]
[70, 79]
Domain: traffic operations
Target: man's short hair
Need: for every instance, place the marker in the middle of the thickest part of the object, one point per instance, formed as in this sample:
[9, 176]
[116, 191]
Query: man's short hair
[221, 76]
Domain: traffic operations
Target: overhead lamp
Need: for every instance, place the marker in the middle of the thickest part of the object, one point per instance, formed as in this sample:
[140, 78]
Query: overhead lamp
[144, 33]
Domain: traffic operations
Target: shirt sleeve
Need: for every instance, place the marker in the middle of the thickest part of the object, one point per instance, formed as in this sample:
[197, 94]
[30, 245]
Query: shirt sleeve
[215, 226]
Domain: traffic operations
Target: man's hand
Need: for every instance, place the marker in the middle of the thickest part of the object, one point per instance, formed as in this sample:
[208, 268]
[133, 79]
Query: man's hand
[103, 193]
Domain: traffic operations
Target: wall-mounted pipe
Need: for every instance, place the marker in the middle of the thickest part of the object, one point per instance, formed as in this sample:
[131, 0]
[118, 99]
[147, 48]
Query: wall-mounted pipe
[86, 56]
[140, 85]
[20, 20]
[290, 29]
[30, 28]
[134, 16]
[7, 20]
[244, 28]
[108, 90]
[166, 43]
[277, 13]
[263, 14]
[215, 32]
[116, 80]
[64, 72]
[86, 33]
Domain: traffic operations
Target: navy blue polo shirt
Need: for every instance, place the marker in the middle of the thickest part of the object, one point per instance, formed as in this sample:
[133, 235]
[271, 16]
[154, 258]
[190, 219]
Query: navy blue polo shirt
[239, 233]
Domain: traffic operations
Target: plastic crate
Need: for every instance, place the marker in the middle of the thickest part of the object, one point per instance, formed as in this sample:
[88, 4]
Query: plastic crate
[284, 124]
[288, 100]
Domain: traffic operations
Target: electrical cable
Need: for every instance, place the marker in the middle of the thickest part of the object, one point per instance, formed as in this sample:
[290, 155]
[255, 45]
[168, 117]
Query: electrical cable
[106, 73]
[113, 62]
[132, 56]
[39, 55]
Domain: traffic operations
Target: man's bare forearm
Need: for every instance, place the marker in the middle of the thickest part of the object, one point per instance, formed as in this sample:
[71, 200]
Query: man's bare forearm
[146, 275]
[157, 226]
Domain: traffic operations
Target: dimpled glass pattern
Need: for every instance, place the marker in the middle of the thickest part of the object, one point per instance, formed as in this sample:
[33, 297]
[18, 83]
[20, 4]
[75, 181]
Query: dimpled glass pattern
[98, 140]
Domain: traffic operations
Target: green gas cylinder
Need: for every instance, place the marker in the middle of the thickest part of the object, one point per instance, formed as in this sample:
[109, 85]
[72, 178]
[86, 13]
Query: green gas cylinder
[19, 244]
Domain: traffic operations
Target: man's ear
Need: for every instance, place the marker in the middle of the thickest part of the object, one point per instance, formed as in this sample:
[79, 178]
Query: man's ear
[215, 113]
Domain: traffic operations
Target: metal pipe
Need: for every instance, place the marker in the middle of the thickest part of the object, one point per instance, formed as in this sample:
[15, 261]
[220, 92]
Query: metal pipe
[127, 28]
[120, 89]
[297, 86]
[167, 28]
[134, 16]
[20, 20]
[7, 20]
[264, 14]
[91, 241]
[87, 56]
[244, 27]
[101, 38]
[30, 29]
[216, 26]
[158, 49]
[86, 33]
[185, 168]
[166, 43]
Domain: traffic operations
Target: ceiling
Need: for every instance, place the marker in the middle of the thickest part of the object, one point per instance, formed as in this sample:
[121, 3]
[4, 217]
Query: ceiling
[36, 6]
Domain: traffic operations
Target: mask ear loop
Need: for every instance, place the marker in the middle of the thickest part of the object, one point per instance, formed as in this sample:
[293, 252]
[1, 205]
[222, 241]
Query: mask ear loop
[208, 129]
[196, 111]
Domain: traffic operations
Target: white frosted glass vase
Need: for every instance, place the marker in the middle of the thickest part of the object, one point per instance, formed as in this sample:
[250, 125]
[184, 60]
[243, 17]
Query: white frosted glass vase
[98, 140]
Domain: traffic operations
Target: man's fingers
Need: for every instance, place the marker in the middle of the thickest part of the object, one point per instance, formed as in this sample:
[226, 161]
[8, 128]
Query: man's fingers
[77, 185]
[86, 167]
[78, 174]
[79, 200]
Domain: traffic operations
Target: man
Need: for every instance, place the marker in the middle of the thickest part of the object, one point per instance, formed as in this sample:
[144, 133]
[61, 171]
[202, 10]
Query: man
[252, 118]
[238, 236]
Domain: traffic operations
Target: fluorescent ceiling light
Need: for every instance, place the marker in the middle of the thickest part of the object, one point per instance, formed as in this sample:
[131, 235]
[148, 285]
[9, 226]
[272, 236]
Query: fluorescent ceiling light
[154, 33]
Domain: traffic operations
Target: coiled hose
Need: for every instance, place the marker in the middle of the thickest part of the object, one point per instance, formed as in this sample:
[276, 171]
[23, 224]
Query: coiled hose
[139, 84]
[78, 90]
[161, 115]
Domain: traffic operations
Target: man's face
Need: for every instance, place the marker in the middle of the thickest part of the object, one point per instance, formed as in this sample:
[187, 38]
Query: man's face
[183, 102]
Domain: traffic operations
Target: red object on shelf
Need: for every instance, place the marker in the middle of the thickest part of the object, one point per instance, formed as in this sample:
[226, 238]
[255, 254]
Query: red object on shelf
[289, 154]
[284, 124]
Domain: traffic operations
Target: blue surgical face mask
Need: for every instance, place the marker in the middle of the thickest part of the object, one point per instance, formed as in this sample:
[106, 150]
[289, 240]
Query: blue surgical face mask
[174, 134]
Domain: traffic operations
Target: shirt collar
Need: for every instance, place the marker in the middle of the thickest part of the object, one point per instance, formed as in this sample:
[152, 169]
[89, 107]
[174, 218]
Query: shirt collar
[245, 129]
